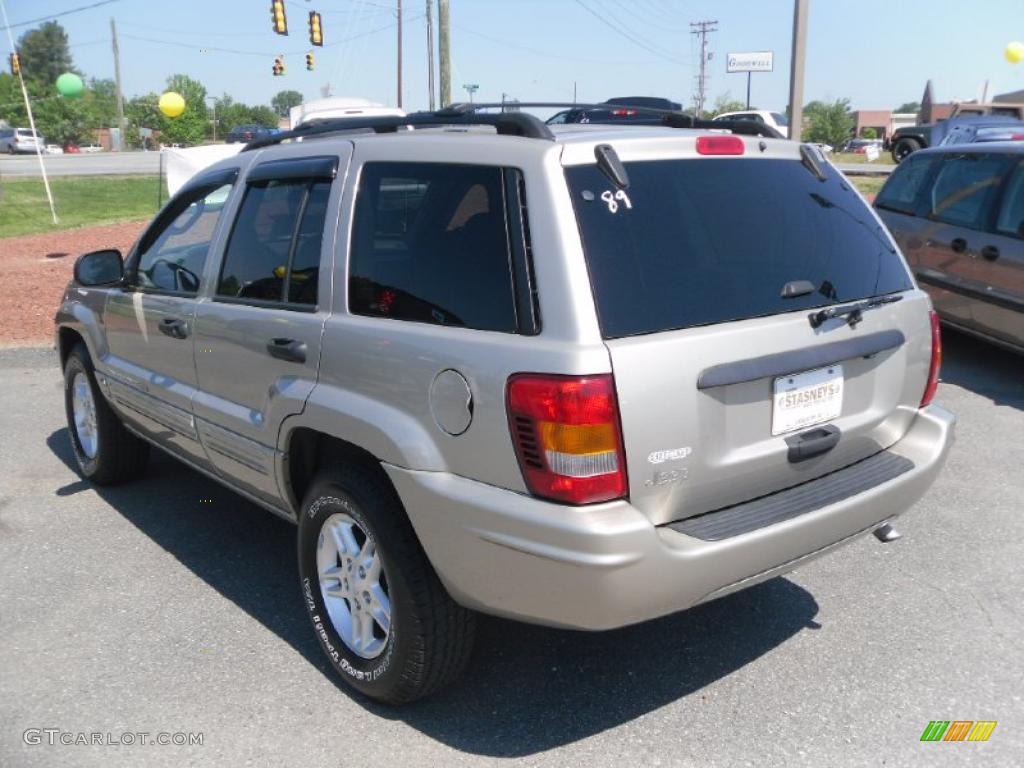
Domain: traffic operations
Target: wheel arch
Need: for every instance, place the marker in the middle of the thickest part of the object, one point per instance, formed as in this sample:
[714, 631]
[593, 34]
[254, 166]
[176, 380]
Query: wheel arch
[307, 451]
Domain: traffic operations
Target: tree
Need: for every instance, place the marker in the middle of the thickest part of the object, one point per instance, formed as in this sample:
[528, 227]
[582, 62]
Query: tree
[910, 107]
[264, 116]
[284, 101]
[868, 133]
[190, 126]
[829, 124]
[45, 54]
[725, 104]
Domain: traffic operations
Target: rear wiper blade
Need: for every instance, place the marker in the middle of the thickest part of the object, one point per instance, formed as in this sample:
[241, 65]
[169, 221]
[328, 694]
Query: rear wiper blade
[853, 313]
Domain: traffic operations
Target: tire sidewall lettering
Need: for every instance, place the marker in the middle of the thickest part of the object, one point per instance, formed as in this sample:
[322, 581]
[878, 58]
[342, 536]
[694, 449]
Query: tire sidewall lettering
[356, 668]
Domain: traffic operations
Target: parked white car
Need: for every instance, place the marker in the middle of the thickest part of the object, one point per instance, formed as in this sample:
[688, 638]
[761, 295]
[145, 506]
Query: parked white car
[54, 149]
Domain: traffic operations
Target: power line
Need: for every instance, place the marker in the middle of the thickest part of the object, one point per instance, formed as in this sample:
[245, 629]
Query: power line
[606, 9]
[629, 36]
[528, 49]
[237, 52]
[62, 13]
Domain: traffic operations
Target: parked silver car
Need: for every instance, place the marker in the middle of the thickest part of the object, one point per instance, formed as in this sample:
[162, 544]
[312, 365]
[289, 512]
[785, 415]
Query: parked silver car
[958, 214]
[24, 140]
[582, 377]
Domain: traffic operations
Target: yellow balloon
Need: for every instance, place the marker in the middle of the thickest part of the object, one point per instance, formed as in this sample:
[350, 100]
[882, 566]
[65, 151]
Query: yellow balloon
[1015, 52]
[171, 104]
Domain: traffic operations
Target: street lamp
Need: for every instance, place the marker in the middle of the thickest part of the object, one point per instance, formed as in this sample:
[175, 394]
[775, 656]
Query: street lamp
[471, 88]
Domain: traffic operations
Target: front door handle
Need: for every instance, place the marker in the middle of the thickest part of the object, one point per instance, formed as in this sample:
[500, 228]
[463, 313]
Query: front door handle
[990, 252]
[292, 350]
[174, 327]
[958, 244]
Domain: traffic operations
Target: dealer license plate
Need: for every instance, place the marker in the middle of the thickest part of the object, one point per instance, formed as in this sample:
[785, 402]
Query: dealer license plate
[805, 399]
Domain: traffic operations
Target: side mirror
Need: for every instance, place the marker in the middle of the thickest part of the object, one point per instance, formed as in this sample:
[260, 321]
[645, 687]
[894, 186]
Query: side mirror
[104, 267]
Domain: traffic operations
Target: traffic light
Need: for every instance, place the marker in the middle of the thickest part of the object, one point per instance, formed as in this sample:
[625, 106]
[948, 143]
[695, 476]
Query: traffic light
[15, 64]
[278, 66]
[310, 62]
[278, 18]
[316, 34]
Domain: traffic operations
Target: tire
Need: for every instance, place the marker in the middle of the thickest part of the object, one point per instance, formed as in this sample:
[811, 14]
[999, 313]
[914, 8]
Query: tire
[904, 147]
[428, 639]
[106, 452]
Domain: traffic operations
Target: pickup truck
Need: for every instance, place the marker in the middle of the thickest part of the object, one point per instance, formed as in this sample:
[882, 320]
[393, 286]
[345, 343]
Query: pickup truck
[911, 138]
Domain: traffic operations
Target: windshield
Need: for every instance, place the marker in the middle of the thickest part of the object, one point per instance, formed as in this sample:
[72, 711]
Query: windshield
[27, 132]
[696, 242]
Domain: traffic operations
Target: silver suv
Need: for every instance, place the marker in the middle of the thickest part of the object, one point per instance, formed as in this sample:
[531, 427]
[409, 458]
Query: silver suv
[580, 378]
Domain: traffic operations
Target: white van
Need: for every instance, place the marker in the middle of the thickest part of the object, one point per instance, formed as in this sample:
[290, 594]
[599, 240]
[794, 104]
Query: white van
[338, 106]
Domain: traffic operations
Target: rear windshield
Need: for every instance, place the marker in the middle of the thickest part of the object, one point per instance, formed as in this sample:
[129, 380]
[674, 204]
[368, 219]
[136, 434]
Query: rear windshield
[27, 132]
[697, 242]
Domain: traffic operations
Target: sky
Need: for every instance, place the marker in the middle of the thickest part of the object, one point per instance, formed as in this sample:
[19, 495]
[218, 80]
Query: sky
[876, 53]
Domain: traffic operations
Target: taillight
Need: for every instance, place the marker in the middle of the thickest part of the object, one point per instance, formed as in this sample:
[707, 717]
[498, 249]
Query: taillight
[720, 145]
[933, 369]
[623, 112]
[567, 437]
[1016, 136]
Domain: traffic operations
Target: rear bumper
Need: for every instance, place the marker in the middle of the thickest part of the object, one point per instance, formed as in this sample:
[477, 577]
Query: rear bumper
[606, 565]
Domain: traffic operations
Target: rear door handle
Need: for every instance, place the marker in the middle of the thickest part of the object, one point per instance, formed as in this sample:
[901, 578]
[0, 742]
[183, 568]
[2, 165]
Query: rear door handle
[174, 327]
[990, 252]
[958, 244]
[292, 350]
[813, 442]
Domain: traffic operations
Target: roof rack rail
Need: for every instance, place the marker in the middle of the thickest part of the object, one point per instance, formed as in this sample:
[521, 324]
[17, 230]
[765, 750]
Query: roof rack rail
[506, 122]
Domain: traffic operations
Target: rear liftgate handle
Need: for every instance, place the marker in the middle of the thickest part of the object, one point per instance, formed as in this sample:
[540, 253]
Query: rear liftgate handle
[813, 442]
[292, 350]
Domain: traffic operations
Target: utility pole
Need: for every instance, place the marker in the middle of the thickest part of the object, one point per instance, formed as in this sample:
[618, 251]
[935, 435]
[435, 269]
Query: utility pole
[430, 51]
[796, 71]
[445, 52]
[702, 29]
[399, 102]
[117, 84]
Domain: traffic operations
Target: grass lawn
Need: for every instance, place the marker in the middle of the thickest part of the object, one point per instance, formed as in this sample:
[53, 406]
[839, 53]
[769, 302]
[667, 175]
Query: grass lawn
[80, 201]
[868, 185]
[852, 158]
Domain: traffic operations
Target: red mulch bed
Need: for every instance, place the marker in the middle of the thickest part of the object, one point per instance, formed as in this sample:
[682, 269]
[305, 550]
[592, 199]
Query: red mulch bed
[36, 268]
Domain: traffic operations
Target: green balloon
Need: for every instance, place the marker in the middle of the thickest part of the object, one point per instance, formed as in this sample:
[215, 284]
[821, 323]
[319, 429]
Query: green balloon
[69, 84]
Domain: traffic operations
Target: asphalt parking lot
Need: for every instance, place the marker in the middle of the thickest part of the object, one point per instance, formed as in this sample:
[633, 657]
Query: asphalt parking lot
[171, 606]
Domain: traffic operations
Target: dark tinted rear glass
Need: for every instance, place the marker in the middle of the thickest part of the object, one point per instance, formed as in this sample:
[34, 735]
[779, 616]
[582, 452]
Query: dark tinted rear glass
[695, 242]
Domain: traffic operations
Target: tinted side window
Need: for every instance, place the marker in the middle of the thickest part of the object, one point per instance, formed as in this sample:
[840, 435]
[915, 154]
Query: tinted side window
[274, 250]
[430, 244]
[173, 259]
[1011, 213]
[966, 187]
[901, 191]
